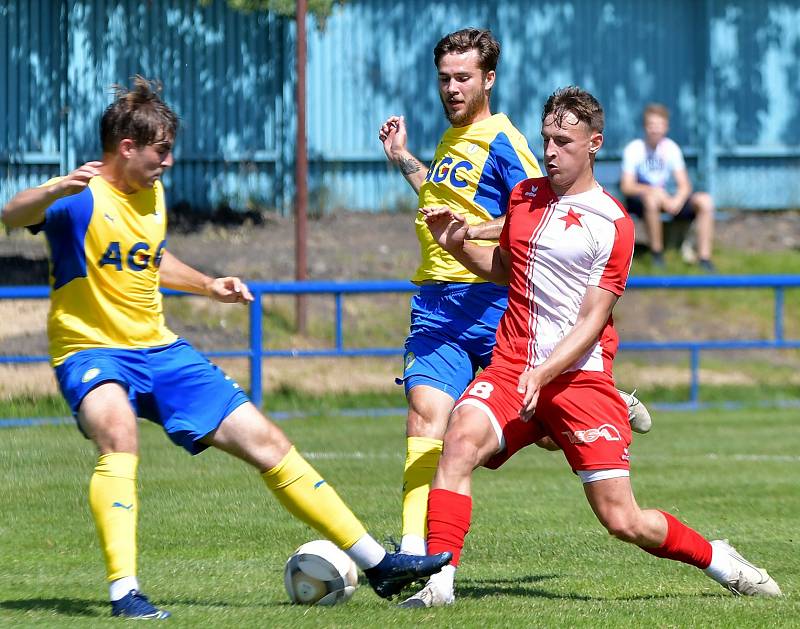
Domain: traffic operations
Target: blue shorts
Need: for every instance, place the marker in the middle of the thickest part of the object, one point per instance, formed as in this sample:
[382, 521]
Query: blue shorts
[171, 385]
[453, 328]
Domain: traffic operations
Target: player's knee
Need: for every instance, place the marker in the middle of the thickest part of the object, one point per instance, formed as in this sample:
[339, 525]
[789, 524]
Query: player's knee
[429, 425]
[113, 436]
[122, 442]
[622, 527]
[460, 452]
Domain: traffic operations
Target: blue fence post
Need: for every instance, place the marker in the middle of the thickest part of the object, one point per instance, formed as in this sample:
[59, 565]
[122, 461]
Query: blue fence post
[339, 334]
[779, 314]
[694, 386]
[256, 349]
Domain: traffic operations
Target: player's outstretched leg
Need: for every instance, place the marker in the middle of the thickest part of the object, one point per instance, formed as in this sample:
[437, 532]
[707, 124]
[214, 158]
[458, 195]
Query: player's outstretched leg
[397, 570]
[638, 415]
[250, 436]
[661, 534]
[742, 578]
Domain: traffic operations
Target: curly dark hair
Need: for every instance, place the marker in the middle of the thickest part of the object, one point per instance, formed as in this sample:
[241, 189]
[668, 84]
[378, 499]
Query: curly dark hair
[138, 114]
[467, 39]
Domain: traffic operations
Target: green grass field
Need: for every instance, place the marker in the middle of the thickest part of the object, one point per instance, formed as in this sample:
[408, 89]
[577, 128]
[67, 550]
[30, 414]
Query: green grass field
[213, 541]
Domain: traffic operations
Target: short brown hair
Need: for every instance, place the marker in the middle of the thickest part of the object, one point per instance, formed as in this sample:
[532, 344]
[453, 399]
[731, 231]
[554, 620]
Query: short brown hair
[657, 109]
[578, 101]
[138, 114]
[467, 39]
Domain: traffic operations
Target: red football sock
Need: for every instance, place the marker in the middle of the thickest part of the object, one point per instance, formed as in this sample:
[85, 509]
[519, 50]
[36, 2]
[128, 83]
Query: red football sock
[683, 544]
[449, 515]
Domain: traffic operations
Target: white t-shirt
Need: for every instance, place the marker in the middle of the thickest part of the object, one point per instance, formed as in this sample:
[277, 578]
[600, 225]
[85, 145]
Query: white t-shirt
[652, 167]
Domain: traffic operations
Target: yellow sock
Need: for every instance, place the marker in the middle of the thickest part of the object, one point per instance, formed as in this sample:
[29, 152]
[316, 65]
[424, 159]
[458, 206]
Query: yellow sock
[112, 498]
[306, 495]
[422, 457]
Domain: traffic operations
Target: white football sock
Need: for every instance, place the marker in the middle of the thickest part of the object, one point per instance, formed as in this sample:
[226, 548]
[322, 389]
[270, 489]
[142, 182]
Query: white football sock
[120, 587]
[413, 545]
[720, 568]
[444, 580]
[366, 552]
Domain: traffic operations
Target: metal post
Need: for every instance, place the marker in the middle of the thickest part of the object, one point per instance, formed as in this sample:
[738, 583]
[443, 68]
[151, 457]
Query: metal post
[694, 386]
[66, 143]
[708, 161]
[779, 314]
[256, 350]
[339, 335]
[301, 167]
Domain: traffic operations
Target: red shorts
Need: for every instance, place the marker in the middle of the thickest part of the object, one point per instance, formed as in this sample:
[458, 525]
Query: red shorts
[580, 410]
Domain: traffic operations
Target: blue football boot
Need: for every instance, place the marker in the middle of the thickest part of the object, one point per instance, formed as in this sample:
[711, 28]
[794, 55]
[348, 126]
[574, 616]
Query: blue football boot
[135, 605]
[397, 570]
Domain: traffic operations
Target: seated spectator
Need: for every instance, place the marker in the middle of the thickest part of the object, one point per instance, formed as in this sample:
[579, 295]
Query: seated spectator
[650, 168]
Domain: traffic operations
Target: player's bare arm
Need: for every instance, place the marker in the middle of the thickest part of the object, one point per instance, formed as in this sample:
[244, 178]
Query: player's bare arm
[593, 315]
[179, 276]
[28, 207]
[449, 229]
[394, 138]
[488, 230]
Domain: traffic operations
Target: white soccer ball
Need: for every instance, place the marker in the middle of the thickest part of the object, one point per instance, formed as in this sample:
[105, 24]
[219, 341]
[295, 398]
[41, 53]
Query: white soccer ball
[318, 573]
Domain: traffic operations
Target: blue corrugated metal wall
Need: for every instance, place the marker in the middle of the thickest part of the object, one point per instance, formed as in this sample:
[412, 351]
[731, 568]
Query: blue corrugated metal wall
[727, 68]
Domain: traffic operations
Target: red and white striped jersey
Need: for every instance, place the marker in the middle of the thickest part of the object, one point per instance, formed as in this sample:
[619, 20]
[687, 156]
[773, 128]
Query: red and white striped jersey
[558, 247]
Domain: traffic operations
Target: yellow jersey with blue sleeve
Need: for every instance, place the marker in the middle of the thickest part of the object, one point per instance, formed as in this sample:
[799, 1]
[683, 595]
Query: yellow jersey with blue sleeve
[473, 172]
[105, 250]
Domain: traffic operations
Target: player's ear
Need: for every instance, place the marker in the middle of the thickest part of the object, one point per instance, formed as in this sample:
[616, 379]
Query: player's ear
[125, 147]
[488, 80]
[595, 142]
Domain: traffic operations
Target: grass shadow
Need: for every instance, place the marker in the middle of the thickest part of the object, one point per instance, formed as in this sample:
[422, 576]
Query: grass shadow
[524, 586]
[518, 586]
[63, 606]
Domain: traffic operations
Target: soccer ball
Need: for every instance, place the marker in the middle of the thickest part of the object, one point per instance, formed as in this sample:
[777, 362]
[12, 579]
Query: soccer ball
[318, 573]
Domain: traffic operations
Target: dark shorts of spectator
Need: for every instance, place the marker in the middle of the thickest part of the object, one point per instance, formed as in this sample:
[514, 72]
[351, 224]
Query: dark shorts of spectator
[636, 207]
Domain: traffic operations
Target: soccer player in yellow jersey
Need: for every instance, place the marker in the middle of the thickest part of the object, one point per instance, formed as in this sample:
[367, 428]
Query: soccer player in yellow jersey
[115, 359]
[477, 163]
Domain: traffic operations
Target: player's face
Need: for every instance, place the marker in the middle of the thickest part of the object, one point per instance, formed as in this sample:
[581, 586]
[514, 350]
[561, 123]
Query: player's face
[464, 88]
[568, 150]
[145, 164]
[655, 128]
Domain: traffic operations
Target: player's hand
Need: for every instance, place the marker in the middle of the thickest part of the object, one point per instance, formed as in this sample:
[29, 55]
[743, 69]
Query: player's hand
[394, 137]
[448, 228]
[528, 385]
[229, 290]
[78, 179]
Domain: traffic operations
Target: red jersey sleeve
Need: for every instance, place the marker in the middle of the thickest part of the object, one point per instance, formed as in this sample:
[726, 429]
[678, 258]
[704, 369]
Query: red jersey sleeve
[612, 266]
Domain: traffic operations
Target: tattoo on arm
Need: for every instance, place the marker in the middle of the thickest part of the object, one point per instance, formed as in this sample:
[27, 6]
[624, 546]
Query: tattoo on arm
[409, 166]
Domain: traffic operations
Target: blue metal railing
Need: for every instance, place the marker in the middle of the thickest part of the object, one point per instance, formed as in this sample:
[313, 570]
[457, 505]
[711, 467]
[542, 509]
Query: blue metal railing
[256, 351]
